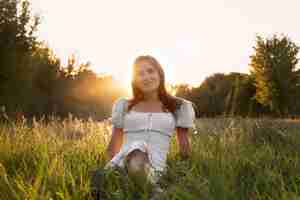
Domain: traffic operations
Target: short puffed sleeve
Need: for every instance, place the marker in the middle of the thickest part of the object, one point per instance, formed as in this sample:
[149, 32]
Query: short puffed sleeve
[185, 115]
[117, 114]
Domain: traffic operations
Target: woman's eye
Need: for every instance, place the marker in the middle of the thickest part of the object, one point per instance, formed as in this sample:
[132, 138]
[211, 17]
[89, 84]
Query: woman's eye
[141, 73]
[150, 71]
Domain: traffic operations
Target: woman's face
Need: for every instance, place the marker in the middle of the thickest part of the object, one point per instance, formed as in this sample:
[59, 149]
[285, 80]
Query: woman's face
[147, 77]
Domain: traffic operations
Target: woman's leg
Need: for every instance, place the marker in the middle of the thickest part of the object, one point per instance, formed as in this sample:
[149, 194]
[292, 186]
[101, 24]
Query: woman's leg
[137, 165]
[137, 161]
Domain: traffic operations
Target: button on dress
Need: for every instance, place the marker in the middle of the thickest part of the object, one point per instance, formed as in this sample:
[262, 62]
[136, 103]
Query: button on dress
[149, 132]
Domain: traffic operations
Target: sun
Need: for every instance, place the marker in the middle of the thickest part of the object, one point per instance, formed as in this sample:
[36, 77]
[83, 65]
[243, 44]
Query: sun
[126, 82]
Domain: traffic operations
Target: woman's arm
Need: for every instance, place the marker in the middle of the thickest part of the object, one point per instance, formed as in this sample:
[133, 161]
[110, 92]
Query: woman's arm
[115, 142]
[183, 141]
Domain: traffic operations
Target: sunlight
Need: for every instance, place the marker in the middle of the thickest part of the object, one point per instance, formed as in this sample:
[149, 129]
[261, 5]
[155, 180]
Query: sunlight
[126, 85]
[124, 80]
[170, 89]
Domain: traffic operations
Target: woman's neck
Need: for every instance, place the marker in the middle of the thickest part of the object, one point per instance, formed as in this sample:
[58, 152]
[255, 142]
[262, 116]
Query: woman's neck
[150, 97]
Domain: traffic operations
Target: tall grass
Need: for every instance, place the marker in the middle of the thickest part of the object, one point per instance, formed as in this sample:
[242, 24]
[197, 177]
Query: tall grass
[232, 158]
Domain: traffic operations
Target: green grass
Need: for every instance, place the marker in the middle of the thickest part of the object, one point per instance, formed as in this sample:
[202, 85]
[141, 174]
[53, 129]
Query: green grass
[232, 158]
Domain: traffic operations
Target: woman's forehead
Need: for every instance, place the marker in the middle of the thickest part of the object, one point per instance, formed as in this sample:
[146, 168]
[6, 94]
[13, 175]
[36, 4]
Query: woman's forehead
[143, 65]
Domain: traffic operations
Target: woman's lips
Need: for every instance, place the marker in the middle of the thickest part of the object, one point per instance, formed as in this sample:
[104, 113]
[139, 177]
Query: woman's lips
[147, 84]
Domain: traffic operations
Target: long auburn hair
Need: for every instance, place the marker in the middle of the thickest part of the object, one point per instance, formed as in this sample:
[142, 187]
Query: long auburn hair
[170, 103]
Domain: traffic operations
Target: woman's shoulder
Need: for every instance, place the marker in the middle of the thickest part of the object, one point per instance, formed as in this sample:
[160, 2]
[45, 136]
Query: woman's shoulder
[182, 101]
[186, 106]
[185, 114]
[118, 110]
[121, 101]
[120, 105]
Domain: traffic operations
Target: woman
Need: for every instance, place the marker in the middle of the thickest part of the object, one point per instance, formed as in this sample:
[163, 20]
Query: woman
[143, 125]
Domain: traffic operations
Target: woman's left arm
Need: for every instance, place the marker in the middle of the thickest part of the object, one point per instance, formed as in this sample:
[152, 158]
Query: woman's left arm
[183, 141]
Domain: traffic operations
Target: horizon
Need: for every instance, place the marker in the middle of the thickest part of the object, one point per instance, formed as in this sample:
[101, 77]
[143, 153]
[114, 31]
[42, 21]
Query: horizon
[188, 46]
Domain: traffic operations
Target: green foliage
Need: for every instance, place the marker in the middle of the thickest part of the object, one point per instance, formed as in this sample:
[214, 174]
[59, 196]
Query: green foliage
[273, 65]
[17, 29]
[33, 81]
[223, 94]
[232, 158]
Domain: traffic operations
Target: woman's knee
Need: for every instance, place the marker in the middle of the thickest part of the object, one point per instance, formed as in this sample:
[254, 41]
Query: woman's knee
[137, 155]
[137, 161]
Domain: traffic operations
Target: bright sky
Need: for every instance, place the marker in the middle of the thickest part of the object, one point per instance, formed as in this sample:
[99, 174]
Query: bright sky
[191, 38]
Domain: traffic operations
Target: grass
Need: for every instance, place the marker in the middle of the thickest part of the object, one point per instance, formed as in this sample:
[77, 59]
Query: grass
[232, 158]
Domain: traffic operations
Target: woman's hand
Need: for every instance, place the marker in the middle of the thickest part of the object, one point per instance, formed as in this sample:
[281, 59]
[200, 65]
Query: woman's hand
[115, 143]
[183, 141]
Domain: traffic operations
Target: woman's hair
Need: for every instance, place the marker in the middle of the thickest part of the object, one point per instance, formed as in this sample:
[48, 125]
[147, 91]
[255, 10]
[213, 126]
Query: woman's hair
[170, 103]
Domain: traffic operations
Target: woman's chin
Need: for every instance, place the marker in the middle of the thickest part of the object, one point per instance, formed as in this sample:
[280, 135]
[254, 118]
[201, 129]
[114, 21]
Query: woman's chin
[149, 90]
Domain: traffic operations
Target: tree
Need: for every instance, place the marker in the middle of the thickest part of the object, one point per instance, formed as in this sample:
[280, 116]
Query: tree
[209, 96]
[239, 100]
[45, 79]
[32, 79]
[273, 66]
[17, 29]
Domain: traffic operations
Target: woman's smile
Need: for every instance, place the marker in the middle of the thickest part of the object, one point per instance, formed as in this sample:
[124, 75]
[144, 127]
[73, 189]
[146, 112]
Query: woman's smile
[148, 83]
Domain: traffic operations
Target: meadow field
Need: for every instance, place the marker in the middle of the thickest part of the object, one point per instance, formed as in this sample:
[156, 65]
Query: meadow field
[232, 158]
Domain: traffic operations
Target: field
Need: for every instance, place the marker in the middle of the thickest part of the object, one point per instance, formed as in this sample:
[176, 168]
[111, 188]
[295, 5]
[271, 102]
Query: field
[232, 158]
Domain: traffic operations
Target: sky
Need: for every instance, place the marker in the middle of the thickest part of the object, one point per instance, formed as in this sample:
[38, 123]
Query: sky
[192, 39]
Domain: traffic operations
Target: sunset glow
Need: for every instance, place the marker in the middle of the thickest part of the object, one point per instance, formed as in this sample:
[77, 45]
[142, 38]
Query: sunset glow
[192, 39]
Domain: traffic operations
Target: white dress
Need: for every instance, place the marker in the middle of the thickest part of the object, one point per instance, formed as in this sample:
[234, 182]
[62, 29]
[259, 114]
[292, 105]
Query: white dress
[149, 132]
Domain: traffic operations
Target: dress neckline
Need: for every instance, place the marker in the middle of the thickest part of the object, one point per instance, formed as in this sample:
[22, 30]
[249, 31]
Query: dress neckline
[149, 112]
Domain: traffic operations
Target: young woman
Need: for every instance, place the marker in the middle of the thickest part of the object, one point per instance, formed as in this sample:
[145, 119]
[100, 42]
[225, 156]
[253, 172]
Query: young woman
[143, 126]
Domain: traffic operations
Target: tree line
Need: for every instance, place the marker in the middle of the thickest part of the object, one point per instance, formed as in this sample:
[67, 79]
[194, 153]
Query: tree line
[272, 88]
[35, 83]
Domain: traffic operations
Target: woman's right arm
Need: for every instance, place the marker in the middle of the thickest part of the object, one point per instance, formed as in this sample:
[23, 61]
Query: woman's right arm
[115, 142]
